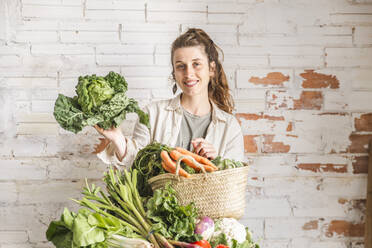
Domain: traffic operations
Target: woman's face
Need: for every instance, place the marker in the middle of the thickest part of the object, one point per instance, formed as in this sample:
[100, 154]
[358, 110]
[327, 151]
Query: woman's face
[192, 70]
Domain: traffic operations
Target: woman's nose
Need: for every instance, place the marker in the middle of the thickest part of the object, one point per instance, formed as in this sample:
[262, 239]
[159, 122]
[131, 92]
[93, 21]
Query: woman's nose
[189, 71]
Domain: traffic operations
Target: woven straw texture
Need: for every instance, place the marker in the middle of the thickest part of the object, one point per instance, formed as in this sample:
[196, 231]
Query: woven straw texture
[219, 194]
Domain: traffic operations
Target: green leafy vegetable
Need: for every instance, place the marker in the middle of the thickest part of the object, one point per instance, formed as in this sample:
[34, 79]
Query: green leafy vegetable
[125, 203]
[170, 218]
[226, 163]
[84, 233]
[99, 100]
[148, 164]
[92, 92]
[82, 229]
[106, 219]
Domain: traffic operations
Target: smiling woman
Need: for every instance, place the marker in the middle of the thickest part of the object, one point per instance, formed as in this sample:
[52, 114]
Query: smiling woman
[198, 119]
[192, 71]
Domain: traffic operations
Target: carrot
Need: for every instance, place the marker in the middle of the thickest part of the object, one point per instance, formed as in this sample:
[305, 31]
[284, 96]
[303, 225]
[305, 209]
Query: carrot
[170, 165]
[197, 157]
[176, 155]
[166, 168]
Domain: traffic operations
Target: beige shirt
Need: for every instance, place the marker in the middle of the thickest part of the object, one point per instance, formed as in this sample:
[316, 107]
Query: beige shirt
[224, 132]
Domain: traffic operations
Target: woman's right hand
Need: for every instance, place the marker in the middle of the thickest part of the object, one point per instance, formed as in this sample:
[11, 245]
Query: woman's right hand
[112, 134]
[117, 138]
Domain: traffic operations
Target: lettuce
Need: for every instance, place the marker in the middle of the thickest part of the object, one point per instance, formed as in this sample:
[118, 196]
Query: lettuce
[99, 100]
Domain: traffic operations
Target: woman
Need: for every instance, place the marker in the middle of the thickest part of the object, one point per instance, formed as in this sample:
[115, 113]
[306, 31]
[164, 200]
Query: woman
[198, 119]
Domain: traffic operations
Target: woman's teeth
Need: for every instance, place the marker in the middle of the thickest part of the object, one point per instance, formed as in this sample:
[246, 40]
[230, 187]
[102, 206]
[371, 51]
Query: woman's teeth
[191, 83]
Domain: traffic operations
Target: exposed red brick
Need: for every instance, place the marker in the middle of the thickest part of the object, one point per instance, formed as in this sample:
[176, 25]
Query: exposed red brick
[254, 117]
[345, 228]
[311, 225]
[359, 143]
[309, 100]
[247, 116]
[250, 145]
[316, 80]
[364, 123]
[360, 165]
[292, 135]
[274, 147]
[342, 200]
[290, 127]
[333, 113]
[316, 167]
[272, 78]
[273, 118]
[284, 100]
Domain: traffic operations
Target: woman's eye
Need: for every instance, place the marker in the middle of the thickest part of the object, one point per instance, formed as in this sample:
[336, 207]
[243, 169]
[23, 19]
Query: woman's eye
[196, 64]
[179, 66]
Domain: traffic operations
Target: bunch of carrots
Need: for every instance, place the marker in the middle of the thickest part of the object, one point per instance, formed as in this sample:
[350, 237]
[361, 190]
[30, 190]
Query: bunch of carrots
[193, 160]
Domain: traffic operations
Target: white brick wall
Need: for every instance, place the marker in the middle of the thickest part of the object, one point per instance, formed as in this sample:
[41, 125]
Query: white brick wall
[301, 83]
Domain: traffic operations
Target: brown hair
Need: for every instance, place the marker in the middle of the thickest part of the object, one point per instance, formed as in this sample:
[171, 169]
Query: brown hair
[218, 88]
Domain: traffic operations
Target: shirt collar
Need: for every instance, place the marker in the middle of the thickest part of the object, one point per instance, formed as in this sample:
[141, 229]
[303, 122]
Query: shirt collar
[217, 114]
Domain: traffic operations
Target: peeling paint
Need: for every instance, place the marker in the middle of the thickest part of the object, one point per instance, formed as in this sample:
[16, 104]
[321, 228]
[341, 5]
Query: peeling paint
[272, 78]
[309, 100]
[316, 80]
[359, 143]
[273, 118]
[311, 225]
[360, 165]
[338, 168]
[250, 143]
[345, 228]
[312, 100]
[260, 123]
[342, 200]
[364, 123]
[269, 146]
[290, 127]
[248, 116]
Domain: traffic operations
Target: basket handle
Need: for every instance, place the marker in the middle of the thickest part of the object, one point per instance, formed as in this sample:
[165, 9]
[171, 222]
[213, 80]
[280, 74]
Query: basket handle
[178, 165]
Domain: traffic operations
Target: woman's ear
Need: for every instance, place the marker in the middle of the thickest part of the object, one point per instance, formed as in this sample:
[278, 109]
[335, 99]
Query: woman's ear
[212, 69]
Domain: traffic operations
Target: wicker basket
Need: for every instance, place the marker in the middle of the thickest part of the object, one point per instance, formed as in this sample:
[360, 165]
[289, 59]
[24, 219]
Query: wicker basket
[219, 194]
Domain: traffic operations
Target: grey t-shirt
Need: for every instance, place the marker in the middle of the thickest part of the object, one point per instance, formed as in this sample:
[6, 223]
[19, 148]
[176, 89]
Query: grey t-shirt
[192, 126]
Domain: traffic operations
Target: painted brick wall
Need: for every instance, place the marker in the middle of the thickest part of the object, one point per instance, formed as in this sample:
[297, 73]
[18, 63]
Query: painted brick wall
[300, 72]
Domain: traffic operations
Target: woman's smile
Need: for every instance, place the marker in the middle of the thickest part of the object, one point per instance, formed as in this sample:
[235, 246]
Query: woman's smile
[191, 83]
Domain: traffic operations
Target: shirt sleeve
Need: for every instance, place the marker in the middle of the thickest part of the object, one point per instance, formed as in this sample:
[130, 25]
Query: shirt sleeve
[140, 138]
[235, 145]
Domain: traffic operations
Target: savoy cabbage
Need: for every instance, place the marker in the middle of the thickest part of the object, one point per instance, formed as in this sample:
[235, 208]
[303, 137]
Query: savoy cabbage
[100, 101]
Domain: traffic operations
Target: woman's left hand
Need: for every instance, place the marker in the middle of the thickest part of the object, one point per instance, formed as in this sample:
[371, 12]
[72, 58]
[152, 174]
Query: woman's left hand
[203, 148]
